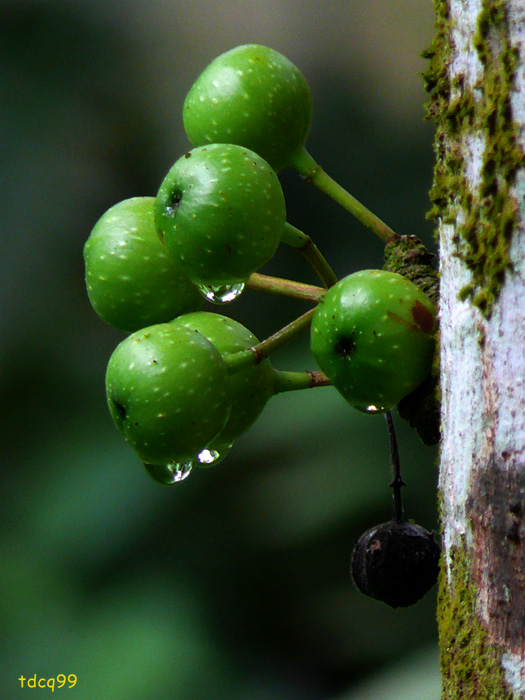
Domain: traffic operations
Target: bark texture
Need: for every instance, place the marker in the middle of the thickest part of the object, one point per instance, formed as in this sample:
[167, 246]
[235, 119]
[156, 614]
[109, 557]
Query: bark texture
[476, 78]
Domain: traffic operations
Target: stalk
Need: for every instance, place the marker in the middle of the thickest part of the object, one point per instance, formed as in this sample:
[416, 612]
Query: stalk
[252, 356]
[292, 381]
[397, 482]
[287, 288]
[314, 173]
[295, 238]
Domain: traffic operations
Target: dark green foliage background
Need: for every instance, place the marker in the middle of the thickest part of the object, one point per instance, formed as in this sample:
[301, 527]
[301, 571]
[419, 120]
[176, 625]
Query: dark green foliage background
[234, 584]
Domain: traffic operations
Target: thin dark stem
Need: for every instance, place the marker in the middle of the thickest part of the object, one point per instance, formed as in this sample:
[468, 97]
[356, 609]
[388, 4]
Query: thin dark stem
[397, 482]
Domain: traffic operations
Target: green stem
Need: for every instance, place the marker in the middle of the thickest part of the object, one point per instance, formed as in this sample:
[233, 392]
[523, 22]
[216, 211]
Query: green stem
[287, 288]
[292, 381]
[295, 238]
[303, 162]
[252, 356]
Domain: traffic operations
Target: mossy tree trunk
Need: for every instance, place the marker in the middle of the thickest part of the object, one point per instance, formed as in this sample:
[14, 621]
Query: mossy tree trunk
[476, 78]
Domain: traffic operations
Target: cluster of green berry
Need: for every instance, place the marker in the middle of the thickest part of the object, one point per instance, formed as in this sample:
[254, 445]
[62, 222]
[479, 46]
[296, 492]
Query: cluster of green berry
[186, 383]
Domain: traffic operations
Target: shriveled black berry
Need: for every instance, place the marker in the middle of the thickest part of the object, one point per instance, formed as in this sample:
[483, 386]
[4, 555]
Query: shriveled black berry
[396, 563]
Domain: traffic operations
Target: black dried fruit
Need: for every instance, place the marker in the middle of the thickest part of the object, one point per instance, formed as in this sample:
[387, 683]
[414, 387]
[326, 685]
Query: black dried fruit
[396, 563]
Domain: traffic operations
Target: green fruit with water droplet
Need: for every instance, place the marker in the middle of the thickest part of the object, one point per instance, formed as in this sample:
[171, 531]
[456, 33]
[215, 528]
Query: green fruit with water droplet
[250, 387]
[252, 96]
[221, 213]
[131, 281]
[373, 335]
[168, 392]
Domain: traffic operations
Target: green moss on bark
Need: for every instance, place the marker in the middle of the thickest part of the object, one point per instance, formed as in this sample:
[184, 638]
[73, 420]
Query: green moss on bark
[407, 256]
[470, 664]
[488, 213]
[484, 219]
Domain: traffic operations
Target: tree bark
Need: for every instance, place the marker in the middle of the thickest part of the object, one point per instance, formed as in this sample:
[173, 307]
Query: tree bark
[476, 78]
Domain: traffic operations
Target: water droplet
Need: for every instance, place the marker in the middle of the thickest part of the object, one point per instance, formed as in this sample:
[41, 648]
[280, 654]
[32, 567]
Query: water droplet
[171, 473]
[209, 457]
[372, 408]
[222, 293]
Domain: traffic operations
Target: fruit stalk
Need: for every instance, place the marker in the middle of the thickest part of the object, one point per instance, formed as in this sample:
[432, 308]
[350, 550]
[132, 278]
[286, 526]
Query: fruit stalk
[245, 358]
[288, 288]
[295, 238]
[292, 381]
[397, 482]
[314, 173]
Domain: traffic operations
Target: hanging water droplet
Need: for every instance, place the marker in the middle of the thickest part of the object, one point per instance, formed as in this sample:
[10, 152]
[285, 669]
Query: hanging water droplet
[209, 457]
[222, 293]
[171, 473]
[372, 408]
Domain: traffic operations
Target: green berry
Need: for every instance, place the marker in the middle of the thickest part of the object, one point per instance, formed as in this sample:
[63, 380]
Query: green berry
[168, 392]
[221, 213]
[131, 281]
[250, 387]
[373, 335]
[252, 96]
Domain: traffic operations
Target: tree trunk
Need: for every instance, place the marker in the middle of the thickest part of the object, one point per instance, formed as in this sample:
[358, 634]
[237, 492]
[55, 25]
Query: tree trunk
[476, 78]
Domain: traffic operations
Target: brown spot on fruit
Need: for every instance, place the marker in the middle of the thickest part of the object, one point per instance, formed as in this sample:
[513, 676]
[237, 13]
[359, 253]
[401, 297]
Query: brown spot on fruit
[403, 321]
[423, 317]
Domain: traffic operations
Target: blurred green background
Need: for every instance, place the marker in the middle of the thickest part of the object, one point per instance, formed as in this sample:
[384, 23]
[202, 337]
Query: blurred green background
[233, 585]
